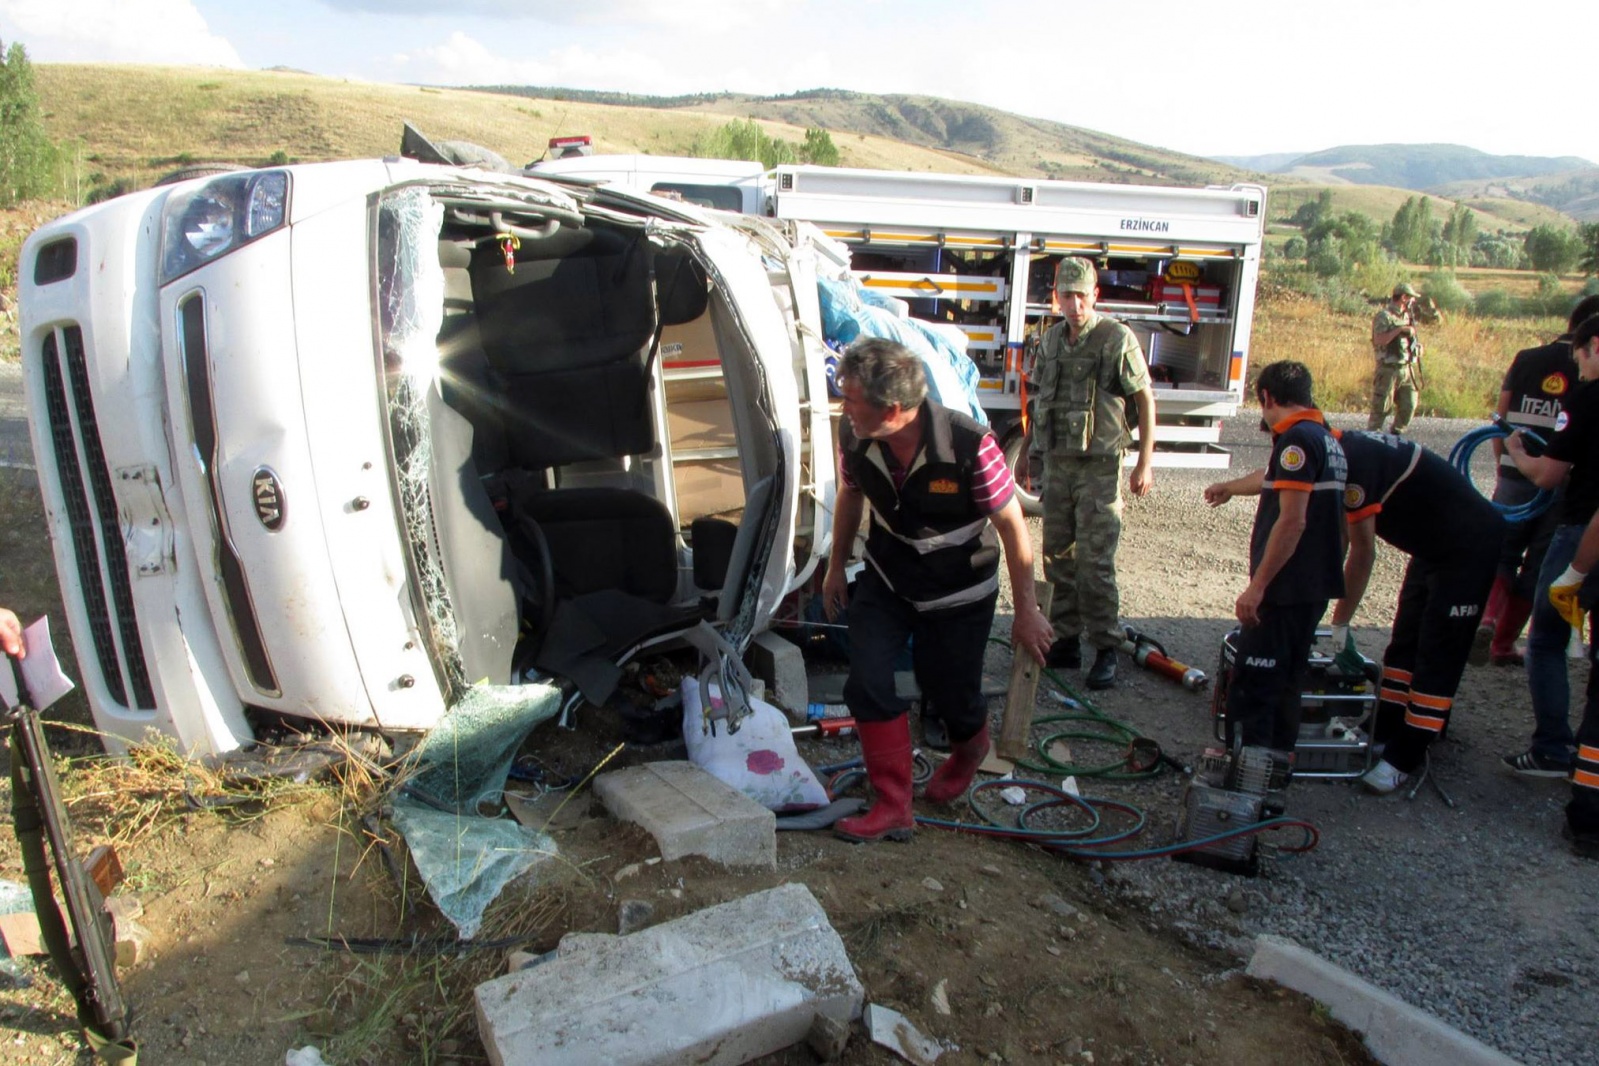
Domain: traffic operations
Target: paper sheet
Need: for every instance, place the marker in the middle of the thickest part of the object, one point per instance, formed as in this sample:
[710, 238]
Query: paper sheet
[41, 670]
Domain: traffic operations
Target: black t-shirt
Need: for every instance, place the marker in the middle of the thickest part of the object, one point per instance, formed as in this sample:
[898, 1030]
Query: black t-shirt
[1575, 440]
[1539, 380]
[1304, 458]
[1424, 507]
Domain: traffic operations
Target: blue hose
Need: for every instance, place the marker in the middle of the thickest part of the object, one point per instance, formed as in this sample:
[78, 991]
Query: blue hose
[1460, 459]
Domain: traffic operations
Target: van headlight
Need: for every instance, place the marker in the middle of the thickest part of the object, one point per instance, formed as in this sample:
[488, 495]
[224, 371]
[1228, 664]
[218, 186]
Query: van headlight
[218, 216]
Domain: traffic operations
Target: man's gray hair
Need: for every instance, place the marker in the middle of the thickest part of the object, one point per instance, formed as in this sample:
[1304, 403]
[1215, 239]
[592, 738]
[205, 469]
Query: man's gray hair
[888, 373]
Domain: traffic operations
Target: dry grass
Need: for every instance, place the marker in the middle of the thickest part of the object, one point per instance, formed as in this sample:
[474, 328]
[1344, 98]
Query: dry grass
[1464, 363]
[140, 122]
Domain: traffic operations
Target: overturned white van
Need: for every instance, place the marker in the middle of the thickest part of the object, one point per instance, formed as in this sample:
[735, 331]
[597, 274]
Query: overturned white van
[336, 441]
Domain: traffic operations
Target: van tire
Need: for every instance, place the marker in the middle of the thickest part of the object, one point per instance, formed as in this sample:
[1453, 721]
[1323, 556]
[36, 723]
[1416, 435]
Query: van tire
[198, 170]
[1028, 472]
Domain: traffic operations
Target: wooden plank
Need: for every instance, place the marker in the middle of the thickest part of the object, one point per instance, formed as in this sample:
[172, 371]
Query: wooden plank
[1017, 726]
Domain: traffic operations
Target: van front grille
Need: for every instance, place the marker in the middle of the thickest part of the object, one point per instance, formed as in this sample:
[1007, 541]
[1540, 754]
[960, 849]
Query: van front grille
[97, 541]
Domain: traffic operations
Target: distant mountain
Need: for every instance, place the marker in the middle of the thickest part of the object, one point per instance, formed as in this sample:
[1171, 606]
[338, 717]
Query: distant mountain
[1270, 163]
[1576, 192]
[1409, 166]
[998, 139]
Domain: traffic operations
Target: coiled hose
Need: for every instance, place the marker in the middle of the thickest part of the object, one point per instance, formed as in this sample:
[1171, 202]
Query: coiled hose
[1093, 839]
[1460, 459]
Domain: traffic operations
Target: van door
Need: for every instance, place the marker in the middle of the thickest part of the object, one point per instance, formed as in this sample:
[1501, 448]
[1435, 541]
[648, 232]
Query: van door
[791, 262]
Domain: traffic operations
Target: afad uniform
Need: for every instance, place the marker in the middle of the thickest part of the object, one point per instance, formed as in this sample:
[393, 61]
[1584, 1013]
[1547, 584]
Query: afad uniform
[1269, 665]
[1428, 510]
[1538, 381]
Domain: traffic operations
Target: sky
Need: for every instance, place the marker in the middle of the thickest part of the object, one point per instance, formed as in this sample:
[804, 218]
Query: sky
[1222, 77]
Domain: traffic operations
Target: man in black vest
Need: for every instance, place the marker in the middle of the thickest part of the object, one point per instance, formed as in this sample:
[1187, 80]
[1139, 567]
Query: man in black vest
[939, 489]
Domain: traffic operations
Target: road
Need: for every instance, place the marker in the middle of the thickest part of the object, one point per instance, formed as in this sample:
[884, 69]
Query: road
[15, 447]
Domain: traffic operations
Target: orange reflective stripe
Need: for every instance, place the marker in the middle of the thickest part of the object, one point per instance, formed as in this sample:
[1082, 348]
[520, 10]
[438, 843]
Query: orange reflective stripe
[1585, 778]
[1424, 721]
[1434, 703]
[1588, 751]
[1393, 695]
[1393, 673]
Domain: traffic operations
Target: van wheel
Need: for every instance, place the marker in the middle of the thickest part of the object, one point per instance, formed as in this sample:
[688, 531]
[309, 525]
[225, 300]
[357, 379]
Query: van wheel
[198, 170]
[1026, 468]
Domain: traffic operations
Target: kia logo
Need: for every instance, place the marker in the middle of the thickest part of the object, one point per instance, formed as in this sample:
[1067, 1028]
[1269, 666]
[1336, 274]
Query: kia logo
[268, 495]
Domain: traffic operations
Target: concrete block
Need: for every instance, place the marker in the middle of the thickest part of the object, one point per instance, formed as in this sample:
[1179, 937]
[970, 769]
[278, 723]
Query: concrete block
[689, 812]
[780, 665]
[1396, 1033]
[718, 987]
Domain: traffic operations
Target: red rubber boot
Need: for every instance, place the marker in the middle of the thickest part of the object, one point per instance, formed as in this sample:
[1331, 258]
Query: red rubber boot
[1511, 621]
[952, 779]
[887, 750]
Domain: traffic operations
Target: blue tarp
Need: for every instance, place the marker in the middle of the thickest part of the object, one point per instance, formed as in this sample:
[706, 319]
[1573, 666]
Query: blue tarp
[849, 310]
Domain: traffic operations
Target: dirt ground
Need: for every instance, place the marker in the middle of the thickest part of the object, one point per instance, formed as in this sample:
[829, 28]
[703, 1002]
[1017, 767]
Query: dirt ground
[1041, 960]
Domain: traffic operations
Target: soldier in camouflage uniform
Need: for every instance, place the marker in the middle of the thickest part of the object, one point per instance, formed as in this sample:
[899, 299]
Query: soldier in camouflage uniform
[1090, 368]
[1393, 340]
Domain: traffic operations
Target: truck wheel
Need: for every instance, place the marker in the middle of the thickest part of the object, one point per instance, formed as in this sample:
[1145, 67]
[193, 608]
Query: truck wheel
[1027, 469]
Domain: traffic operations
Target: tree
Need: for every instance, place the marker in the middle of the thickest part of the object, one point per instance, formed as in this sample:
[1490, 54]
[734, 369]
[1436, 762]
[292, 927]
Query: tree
[819, 149]
[1552, 249]
[1339, 243]
[27, 158]
[1460, 229]
[1313, 211]
[1588, 237]
[1410, 234]
[744, 139]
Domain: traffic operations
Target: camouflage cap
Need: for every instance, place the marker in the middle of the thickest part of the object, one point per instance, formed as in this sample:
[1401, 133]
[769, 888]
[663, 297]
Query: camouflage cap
[1076, 275]
[1404, 288]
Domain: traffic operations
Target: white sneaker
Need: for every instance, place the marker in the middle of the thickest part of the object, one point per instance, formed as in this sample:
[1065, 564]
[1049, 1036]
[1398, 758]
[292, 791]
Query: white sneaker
[1383, 778]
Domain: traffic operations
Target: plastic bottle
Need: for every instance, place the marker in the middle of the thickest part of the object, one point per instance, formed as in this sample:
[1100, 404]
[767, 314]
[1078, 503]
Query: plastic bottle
[814, 711]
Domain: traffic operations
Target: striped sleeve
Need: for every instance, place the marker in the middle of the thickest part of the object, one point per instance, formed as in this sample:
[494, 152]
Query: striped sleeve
[992, 484]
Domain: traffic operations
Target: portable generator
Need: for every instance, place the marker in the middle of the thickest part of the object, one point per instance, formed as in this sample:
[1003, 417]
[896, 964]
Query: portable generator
[1231, 790]
[1237, 786]
[1337, 712]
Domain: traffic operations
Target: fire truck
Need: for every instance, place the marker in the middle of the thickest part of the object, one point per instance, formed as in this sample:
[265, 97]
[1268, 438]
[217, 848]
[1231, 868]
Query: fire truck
[1177, 265]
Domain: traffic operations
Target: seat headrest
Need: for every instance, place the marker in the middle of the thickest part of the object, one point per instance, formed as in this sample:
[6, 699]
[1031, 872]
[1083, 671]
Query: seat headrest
[681, 286]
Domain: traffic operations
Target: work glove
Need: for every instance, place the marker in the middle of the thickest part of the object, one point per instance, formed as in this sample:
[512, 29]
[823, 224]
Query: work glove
[1347, 659]
[1563, 594]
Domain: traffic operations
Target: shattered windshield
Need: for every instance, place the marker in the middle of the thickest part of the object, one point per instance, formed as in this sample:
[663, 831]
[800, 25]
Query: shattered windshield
[410, 309]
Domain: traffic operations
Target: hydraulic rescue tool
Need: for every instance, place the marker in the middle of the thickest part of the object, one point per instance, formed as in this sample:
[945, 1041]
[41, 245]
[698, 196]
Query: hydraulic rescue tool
[1147, 652]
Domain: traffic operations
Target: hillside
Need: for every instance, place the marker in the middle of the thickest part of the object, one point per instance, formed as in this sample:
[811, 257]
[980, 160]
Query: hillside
[1407, 166]
[1381, 201]
[137, 122]
[133, 124]
[1575, 193]
[1009, 143]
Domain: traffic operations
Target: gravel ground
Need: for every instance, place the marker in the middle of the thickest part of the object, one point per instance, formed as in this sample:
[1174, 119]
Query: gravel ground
[1477, 912]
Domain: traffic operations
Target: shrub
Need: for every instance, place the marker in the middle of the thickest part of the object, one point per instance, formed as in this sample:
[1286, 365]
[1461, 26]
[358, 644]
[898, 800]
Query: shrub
[1495, 303]
[1295, 247]
[1550, 299]
[1446, 291]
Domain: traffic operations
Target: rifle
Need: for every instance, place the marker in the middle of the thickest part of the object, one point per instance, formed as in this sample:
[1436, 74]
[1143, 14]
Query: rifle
[88, 969]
